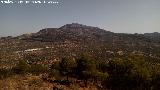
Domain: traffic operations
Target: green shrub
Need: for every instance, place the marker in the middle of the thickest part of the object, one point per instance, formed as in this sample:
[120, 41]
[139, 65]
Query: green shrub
[21, 68]
[35, 82]
[38, 69]
[67, 66]
[4, 73]
[128, 74]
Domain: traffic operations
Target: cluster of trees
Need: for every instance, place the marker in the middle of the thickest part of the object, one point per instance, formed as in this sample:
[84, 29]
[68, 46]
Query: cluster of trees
[83, 68]
[23, 68]
[121, 73]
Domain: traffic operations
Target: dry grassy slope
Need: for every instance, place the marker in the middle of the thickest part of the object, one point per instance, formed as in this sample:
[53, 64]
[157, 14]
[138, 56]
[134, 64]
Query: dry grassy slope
[24, 83]
[30, 82]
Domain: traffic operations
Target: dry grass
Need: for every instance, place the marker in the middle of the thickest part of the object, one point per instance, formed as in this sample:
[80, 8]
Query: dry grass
[24, 83]
[30, 82]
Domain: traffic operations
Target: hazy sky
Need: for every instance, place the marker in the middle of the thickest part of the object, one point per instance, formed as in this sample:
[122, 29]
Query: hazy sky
[125, 16]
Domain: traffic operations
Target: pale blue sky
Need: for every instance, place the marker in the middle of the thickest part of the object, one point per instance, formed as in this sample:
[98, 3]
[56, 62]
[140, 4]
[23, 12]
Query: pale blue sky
[124, 16]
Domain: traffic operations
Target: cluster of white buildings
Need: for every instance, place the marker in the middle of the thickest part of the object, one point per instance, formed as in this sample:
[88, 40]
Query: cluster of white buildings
[30, 50]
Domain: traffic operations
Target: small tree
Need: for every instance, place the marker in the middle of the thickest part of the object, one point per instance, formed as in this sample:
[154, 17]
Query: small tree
[4, 73]
[156, 78]
[132, 74]
[67, 66]
[21, 68]
[38, 69]
[86, 68]
[100, 76]
[102, 66]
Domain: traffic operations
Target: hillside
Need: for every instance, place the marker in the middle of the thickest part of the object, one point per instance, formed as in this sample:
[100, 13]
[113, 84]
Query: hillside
[76, 56]
[75, 39]
[87, 37]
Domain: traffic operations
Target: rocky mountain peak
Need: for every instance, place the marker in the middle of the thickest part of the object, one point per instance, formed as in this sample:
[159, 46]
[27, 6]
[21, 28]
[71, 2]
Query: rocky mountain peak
[77, 25]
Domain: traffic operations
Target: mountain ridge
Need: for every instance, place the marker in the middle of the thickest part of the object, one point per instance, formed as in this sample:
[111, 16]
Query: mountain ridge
[95, 37]
[75, 39]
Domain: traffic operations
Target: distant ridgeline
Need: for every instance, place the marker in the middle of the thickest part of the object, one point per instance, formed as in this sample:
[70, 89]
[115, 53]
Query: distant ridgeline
[75, 39]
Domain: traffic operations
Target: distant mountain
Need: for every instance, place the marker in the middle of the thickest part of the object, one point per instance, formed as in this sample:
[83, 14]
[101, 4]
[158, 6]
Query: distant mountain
[94, 36]
[153, 36]
[39, 57]
[75, 39]
[81, 32]
[72, 32]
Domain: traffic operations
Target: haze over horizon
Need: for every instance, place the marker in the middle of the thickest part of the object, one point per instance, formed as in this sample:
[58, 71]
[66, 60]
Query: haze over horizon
[120, 16]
